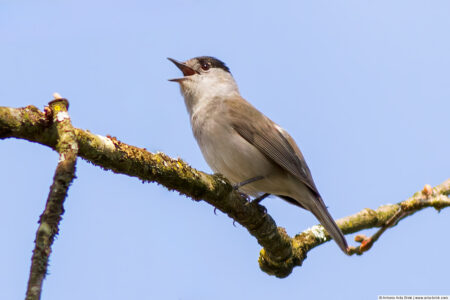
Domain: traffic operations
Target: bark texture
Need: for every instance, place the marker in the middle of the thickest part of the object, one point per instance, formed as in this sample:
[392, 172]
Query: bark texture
[59, 123]
[280, 253]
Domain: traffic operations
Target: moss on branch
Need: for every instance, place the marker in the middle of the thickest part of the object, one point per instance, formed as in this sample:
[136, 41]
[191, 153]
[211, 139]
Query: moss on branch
[59, 122]
[280, 253]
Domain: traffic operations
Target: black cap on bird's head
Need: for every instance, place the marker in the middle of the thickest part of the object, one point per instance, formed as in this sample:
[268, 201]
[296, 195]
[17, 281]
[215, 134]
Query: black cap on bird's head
[198, 65]
[212, 62]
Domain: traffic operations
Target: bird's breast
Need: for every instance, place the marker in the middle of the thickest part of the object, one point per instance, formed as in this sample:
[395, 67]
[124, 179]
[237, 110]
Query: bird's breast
[229, 154]
[224, 150]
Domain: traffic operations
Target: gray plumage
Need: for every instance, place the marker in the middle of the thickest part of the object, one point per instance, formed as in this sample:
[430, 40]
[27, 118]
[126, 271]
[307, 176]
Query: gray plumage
[241, 143]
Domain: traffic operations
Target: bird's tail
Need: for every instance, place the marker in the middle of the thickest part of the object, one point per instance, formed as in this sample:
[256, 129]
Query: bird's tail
[319, 210]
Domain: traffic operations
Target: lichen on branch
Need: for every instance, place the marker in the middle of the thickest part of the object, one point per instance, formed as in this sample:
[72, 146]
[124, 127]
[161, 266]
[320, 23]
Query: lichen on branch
[59, 123]
[280, 253]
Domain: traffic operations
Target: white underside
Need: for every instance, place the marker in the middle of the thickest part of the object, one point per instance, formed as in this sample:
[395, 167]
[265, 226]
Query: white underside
[229, 154]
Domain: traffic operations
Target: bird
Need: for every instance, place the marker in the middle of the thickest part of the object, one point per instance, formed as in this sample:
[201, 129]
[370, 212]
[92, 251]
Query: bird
[254, 153]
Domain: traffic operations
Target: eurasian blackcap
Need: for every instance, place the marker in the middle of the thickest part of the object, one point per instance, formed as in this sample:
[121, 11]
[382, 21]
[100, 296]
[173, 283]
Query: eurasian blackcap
[245, 146]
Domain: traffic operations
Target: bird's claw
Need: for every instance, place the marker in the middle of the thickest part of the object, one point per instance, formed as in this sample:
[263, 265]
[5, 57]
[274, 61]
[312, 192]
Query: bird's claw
[263, 208]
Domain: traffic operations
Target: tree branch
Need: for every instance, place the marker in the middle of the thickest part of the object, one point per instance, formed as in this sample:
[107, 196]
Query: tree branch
[50, 218]
[31, 124]
[280, 253]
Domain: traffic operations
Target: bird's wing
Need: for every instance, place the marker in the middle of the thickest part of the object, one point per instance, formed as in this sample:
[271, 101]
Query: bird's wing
[270, 139]
[279, 146]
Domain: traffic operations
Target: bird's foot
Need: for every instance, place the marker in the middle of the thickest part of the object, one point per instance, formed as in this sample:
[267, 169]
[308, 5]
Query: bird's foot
[257, 201]
[245, 182]
[260, 198]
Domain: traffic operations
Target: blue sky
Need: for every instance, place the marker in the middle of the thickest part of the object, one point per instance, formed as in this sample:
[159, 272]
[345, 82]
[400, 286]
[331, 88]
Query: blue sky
[363, 87]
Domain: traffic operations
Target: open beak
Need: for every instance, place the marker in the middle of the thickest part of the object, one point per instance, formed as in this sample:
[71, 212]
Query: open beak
[187, 71]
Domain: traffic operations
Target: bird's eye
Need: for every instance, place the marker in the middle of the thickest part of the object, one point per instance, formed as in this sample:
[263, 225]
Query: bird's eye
[205, 66]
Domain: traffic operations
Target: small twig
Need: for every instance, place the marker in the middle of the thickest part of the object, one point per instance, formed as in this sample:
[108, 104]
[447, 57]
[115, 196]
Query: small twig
[50, 218]
[57, 96]
[367, 242]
